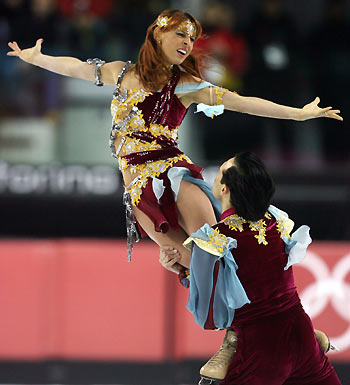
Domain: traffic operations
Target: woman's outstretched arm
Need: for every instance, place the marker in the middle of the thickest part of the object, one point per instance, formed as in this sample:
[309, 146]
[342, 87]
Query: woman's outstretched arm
[261, 107]
[265, 108]
[67, 66]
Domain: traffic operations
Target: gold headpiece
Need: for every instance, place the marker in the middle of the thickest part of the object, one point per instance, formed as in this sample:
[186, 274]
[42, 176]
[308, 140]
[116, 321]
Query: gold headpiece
[162, 21]
[188, 27]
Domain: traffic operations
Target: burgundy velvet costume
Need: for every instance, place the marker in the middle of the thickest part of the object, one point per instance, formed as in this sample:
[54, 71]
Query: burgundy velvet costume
[164, 112]
[276, 341]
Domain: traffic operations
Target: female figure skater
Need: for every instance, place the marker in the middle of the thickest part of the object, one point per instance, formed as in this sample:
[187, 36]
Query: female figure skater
[164, 190]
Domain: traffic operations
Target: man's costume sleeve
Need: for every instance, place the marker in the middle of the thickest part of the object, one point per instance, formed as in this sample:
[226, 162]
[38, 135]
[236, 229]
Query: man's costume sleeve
[209, 246]
[296, 243]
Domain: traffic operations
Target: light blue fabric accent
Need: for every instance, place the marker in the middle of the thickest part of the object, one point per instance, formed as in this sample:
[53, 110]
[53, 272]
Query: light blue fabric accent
[158, 188]
[277, 213]
[297, 245]
[229, 292]
[210, 111]
[298, 242]
[187, 87]
[175, 175]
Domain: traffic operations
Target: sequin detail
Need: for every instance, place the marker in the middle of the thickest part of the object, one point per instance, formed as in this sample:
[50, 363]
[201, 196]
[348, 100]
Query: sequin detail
[132, 234]
[188, 27]
[98, 63]
[124, 122]
[162, 21]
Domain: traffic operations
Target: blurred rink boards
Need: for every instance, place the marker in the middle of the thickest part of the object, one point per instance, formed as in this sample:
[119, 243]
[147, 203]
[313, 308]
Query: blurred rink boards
[81, 300]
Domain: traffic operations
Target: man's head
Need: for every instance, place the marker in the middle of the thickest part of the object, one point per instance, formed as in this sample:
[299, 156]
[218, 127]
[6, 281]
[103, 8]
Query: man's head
[244, 183]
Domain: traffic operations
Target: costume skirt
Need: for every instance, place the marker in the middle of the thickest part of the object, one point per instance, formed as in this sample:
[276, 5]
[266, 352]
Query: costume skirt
[158, 198]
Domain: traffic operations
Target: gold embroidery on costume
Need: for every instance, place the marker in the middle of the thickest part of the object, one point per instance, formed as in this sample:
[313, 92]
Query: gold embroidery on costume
[234, 222]
[132, 122]
[158, 130]
[119, 108]
[218, 240]
[136, 122]
[136, 145]
[149, 170]
[282, 227]
[123, 164]
[259, 226]
[220, 95]
[215, 245]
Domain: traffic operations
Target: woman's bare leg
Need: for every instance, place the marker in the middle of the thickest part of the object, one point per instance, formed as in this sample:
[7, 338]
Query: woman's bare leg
[170, 238]
[194, 208]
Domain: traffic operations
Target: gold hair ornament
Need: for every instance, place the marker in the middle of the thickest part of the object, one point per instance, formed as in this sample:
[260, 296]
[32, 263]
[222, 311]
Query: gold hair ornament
[188, 27]
[162, 21]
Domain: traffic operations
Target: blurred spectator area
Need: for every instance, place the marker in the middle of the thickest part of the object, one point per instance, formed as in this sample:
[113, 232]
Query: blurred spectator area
[284, 51]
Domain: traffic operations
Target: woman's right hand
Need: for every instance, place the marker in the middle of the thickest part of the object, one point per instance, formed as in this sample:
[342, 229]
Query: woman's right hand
[28, 55]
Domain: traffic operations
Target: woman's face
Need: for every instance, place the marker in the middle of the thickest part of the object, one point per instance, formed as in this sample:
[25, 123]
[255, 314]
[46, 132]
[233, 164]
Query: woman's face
[176, 45]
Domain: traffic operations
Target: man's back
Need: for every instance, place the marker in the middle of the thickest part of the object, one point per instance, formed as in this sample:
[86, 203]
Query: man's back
[269, 287]
[276, 341]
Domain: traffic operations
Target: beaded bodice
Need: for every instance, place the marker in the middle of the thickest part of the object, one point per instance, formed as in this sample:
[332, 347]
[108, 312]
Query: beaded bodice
[147, 121]
[147, 124]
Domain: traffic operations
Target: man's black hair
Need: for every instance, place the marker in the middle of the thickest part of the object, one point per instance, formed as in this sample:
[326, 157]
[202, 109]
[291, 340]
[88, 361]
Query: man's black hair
[251, 186]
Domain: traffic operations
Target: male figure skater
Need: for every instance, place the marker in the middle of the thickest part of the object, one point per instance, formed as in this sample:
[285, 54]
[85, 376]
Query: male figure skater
[241, 279]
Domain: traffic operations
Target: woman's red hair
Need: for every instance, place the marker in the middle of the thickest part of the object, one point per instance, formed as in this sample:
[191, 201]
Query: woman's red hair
[150, 66]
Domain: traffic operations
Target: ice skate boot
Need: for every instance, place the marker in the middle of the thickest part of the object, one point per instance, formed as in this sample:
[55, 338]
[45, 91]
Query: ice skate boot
[324, 341]
[216, 368]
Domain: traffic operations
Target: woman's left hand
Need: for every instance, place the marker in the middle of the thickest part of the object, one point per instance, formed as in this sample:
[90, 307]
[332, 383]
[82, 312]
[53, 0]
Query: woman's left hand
[312, 110]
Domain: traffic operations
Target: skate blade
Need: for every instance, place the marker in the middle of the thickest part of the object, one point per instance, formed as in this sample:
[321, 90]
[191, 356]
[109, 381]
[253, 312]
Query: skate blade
[332, 347]
[207, 380]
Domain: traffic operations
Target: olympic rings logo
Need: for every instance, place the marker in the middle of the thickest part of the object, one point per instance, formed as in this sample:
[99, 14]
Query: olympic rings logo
[329, 286]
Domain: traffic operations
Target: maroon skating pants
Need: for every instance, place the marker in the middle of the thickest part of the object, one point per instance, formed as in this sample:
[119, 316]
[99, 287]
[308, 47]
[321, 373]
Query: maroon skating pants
[279, 350]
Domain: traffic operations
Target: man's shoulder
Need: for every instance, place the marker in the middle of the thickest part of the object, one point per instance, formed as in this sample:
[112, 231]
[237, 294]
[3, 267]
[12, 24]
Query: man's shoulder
[231, 225]
[223, 228]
